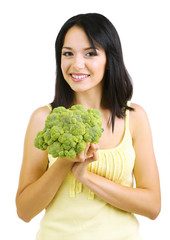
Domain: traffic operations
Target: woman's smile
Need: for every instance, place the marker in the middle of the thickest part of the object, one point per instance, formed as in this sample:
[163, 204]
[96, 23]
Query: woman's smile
[78, 77]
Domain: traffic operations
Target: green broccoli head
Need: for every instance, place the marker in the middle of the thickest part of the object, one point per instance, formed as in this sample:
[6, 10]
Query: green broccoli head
[67, 131]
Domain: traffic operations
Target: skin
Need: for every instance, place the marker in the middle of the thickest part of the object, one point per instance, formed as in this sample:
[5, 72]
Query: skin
[38, 184]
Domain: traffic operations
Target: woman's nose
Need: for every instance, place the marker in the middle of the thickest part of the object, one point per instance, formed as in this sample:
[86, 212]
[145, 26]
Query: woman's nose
[79, 62]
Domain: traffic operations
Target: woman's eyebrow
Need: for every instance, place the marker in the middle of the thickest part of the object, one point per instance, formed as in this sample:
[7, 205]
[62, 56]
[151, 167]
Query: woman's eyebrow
[67, 48]
[88, 48]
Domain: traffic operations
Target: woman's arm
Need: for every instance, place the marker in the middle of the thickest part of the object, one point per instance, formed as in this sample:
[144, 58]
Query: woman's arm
[37, 185]
[145, 198]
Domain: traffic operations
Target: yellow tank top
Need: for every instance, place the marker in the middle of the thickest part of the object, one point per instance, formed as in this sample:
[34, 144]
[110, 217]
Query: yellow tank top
[76, 213]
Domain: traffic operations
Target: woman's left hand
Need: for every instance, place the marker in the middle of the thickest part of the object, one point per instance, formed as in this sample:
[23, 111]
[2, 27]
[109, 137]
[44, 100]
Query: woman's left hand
[79, 169]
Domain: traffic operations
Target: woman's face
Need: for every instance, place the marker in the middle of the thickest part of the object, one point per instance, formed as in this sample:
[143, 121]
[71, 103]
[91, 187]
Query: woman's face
[83, 67]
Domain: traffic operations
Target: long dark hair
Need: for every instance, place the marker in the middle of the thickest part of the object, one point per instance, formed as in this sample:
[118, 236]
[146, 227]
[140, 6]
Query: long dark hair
[117, 87]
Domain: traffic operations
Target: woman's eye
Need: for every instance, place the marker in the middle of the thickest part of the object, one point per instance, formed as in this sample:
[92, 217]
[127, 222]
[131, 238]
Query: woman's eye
[91, 54]
[67, 54]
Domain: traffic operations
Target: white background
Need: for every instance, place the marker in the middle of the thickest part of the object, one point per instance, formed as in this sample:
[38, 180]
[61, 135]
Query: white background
[27, 74]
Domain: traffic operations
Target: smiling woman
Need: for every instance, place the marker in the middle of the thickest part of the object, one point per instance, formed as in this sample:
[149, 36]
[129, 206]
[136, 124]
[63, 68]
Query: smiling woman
[92, 196]
[83, 67]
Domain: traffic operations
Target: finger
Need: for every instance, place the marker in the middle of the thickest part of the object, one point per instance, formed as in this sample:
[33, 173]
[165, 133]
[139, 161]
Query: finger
[82, 156]
[86, 149]
[87, 153]
[93, 147]
[91, 159]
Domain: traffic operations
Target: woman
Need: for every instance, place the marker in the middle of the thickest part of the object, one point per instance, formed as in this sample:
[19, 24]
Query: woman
[92, 196]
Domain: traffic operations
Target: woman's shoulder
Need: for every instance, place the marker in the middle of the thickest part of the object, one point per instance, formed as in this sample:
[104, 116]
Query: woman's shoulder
[139, 112]
[41, 112]
[39, 116]
[138, 118]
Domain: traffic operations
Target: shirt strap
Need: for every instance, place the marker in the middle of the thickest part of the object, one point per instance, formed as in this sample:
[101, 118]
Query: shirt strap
[50, 107]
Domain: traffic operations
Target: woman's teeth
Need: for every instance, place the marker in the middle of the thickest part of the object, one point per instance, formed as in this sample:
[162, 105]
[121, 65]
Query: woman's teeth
[79, 76]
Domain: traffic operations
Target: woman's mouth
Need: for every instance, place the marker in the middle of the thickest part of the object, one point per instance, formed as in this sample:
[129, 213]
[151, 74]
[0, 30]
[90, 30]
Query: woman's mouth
[79, 77]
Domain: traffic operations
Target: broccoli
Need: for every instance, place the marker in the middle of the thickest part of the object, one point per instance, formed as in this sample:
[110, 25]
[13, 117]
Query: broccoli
[67, 131]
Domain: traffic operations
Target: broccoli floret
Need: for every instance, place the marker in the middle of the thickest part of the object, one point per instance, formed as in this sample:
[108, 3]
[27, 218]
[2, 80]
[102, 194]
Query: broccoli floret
[56, 131]
[39, 141]
[55, 149]
[51, 120]
[93, 134]
[70, 154]
[47, 137]
[80, 146]
[67, 131]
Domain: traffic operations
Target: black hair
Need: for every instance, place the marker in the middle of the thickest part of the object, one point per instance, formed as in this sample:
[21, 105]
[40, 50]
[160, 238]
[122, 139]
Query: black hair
[117, 87]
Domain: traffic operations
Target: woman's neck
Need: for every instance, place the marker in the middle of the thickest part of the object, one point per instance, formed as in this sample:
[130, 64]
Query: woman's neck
[88, 99]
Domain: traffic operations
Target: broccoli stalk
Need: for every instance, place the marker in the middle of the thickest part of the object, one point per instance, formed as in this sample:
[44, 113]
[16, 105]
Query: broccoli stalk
[67, 131]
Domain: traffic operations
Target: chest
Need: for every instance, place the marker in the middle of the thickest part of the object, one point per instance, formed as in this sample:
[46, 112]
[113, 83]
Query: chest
[111, 139]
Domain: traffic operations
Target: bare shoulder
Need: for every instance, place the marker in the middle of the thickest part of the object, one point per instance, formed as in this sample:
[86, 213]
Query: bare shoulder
[39, 116]
[139, 111]
[138, 119]
[41, 113]
[36, 123]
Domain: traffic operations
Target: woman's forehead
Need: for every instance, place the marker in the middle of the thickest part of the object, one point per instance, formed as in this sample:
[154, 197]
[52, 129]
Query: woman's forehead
[76, 35]
[76, 38]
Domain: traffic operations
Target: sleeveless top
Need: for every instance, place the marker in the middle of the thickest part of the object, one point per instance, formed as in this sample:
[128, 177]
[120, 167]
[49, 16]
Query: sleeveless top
[76, 213]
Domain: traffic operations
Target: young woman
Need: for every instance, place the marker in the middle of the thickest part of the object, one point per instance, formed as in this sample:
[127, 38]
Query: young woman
[92, 196]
